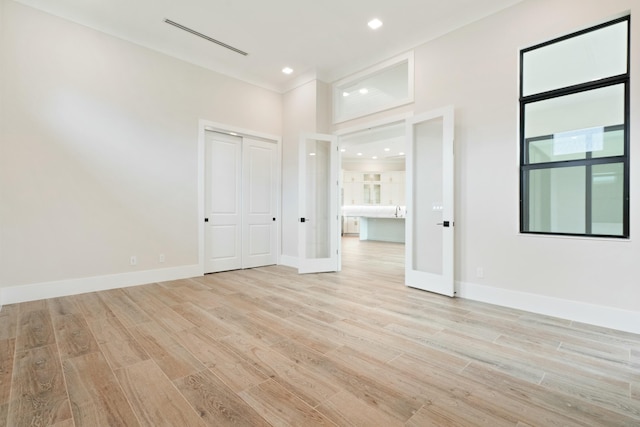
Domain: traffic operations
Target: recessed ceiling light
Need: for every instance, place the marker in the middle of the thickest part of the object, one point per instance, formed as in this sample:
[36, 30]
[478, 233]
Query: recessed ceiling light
[345, 94]
[374, 24]
[387, 149]
[359, 154]
[342, 150]
[287, 70]
[312, 154]
[375, 157]
[401, 153]
[364, 91]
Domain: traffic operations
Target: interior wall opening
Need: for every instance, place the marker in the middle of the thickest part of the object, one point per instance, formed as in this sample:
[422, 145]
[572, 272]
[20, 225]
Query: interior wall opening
[372, 195]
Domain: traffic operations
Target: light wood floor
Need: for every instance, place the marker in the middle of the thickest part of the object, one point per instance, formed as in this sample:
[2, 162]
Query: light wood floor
[269, 347]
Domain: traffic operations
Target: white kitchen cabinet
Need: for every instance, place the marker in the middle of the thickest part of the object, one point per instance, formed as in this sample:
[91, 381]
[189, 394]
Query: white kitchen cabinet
[392, 191]
[351, 225]
[352, 193]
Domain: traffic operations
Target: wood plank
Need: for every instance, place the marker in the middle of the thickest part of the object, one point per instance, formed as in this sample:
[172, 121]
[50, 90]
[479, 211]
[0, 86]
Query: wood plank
[634, 391]
[63, 306]
[611, 396]
[95, 394]
[161, 313]
[232, 368]
[65, 423]
[454, 412]
[4, 413]
[154, 399]
[370, 390]
[203, 319]
[8, 321]
[607, 369]
[216, 404]
[344, 409]
[338, 334]
[73, 336]
[34, 329]
[247, 325]
[553, 404]
[505, 359]
[28, 306]
[282, 408]
[174, 360]
[483, 400]
[307, 385]
[124, 308]
[292, 330]
[7, 351]
[92, 306]
[38, 394]
[108, 329]
[122, 353]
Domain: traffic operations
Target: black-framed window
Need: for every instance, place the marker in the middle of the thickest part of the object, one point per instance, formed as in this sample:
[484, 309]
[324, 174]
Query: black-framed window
[574, 133]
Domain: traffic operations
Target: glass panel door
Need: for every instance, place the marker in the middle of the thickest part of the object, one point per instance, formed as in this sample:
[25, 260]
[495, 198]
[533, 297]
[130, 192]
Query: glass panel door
[429, 219]
[318, 204]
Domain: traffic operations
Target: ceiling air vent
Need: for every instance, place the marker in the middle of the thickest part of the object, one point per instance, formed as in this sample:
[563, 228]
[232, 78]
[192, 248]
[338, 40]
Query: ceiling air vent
[211, 39]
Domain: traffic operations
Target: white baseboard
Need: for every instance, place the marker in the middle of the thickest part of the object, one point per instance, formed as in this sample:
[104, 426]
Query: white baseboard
[614, 318]
[61, 288]
[289, 261]
[608, 317]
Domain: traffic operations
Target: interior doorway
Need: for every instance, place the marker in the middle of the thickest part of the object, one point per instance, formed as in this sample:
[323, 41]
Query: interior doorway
[372, 194]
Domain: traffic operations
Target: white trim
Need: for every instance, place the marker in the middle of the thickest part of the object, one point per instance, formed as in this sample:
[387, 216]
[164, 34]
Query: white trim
[204, 125]
[62, 288]
[288, 261]
[608, 317]
[385, 121]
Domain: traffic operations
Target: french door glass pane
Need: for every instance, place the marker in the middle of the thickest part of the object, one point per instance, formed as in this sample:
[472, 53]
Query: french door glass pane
[318, 192]
[428, 197]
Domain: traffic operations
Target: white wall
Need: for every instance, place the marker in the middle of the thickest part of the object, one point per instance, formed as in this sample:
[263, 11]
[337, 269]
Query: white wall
[98, 144]
[299, 115]
[476, 70]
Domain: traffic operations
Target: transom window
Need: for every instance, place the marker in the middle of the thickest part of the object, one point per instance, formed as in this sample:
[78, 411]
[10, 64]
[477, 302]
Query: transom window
[574, 134]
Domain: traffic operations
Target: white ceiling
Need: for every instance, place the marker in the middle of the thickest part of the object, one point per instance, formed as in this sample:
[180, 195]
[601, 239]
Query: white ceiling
[385, 143]
[324, 39]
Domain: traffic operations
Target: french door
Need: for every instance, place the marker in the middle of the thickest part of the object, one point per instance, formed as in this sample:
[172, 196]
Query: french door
[318, 217]
[429, 239]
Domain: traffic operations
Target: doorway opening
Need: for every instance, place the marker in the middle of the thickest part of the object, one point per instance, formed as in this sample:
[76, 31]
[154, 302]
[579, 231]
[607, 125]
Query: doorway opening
[372, 197]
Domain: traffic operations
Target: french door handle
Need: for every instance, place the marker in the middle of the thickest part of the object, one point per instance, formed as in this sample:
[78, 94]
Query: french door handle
[304, 220]
[444, 224]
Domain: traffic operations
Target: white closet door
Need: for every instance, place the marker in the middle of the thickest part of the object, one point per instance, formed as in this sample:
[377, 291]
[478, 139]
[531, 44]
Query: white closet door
[260, 191]
[223, 204]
